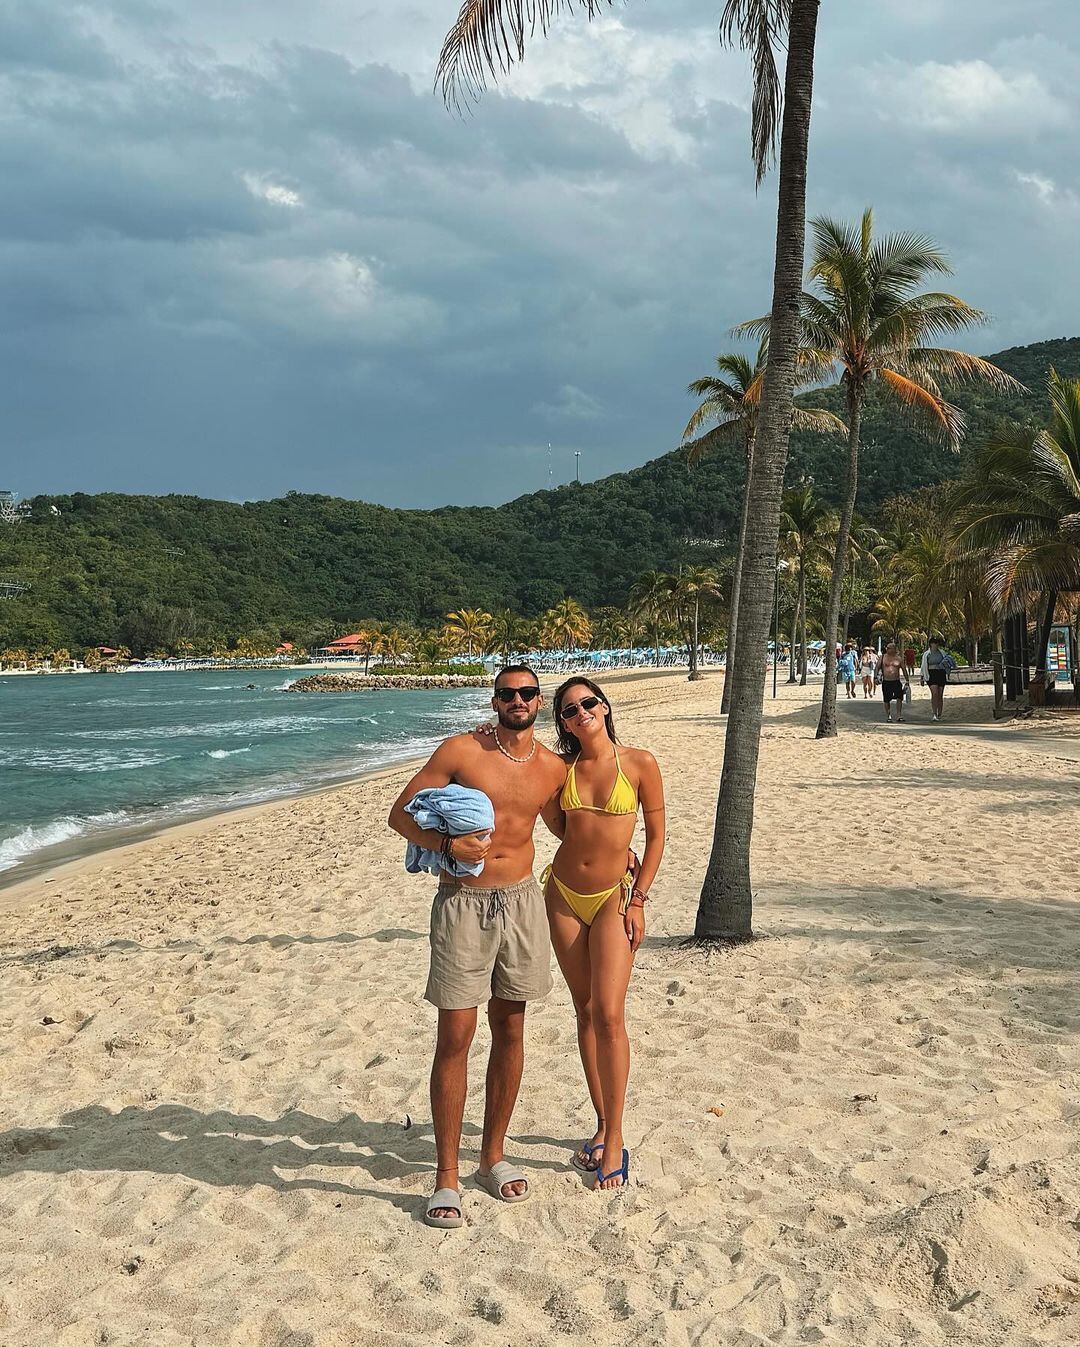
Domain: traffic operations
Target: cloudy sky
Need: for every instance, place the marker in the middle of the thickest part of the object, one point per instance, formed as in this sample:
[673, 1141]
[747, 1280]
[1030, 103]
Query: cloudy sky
[243, 249]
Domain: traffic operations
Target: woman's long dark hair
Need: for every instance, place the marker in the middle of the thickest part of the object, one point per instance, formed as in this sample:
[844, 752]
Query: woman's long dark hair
[569, 744]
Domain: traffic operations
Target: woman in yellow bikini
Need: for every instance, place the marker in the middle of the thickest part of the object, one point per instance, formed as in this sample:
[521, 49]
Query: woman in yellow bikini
[596, 893]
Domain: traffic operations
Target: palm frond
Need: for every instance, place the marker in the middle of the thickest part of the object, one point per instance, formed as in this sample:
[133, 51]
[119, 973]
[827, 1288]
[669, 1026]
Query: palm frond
[1065, 404]
[712, 409]
[760, 27]
[712, 439]
[899, 261]
[960, 367]
[738, 367]
[489, 37]
[817, 420]
[813, 364]
[717, 390]
[754, 327]
[943, 419]
[1014, 572]
[934, 313]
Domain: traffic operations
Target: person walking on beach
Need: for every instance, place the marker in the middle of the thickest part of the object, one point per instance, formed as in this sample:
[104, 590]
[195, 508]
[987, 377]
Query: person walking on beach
[936, 664]
[596, 894]
[909, 659]
[489, 932]
[893, 677]
[847, 668]
[867, 666]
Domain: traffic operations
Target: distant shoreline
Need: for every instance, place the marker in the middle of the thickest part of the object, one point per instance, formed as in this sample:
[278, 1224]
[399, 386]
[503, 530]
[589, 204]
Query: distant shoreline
[350, 665]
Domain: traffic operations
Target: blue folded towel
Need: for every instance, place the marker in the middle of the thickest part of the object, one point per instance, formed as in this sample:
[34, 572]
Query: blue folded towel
[448, 809]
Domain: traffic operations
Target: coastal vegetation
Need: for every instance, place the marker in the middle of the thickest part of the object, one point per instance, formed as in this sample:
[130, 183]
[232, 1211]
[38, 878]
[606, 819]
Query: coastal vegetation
[180, 576]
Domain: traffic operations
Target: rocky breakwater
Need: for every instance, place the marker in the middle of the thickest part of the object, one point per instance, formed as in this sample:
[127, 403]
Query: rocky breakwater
[348, 682]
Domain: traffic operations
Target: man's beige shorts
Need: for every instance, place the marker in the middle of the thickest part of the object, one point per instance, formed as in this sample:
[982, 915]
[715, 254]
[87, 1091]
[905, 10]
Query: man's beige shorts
[488, 942]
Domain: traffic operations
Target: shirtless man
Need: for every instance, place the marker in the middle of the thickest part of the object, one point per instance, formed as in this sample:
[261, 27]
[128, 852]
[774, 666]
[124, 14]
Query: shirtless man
[489, 932]
[893, 676]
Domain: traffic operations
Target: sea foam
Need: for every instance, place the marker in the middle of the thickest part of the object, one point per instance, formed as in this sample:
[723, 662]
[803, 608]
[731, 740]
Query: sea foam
[34, 839]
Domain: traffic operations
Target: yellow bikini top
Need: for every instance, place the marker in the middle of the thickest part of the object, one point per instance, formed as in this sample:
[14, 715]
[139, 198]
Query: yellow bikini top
[622, 800]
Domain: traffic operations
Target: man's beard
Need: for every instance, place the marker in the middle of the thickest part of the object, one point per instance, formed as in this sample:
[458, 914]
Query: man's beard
[517, 724]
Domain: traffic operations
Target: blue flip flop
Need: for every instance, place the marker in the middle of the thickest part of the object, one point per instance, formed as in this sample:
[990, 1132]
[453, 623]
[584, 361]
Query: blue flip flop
[624, 1170]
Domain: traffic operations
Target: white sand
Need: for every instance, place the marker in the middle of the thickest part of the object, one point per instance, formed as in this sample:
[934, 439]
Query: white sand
[207, 1146]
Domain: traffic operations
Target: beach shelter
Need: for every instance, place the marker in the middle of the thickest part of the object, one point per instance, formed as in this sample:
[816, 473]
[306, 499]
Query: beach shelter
[344, 645]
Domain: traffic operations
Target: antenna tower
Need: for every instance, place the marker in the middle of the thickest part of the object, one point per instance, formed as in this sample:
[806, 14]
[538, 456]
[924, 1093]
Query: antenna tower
[12, 511]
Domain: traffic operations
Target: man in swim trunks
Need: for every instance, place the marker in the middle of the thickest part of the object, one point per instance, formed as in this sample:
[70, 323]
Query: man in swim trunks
[489, 932]
[893, 677]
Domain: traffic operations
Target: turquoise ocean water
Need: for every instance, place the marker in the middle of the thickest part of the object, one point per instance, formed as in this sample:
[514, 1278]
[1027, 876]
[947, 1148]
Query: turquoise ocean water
[86, 759]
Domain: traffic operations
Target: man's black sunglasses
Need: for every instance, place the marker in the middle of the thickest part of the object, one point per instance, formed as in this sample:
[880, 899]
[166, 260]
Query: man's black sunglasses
[507, 695]
[570, 710]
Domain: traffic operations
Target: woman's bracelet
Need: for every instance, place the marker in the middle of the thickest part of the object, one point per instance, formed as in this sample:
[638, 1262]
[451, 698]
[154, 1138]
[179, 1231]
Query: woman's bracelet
[638, 898]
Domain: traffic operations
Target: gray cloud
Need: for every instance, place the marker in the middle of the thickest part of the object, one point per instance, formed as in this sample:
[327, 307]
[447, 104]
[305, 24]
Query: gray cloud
[245, 250]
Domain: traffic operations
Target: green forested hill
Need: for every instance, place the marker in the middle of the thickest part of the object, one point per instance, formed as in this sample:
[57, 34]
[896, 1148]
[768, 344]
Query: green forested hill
[308, 565]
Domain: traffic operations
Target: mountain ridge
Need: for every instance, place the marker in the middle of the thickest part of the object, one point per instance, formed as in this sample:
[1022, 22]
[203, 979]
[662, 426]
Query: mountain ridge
[324, 562]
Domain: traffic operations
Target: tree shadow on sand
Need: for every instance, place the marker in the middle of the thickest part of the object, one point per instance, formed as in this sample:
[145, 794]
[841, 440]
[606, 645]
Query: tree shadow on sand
[236, 1150]
[991, 936]
[281, 940]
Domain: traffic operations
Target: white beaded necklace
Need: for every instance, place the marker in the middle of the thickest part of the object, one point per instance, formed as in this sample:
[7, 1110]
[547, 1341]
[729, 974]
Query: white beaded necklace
[506, 754]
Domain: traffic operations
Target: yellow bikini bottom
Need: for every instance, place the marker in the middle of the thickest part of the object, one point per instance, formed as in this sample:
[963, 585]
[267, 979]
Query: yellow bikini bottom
[585, 906]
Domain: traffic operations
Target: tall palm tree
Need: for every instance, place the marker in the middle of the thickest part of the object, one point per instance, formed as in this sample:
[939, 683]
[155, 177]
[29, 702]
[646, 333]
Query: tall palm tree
[366, 643]
[391, 645]
[892, 617]
[1017, 507]
[864, 541]
[626, 629]
[868, 313]
[650, 600]
[928, 581]
[504, 633]
[469, 627]
[487, 37]
[731, 398]
[725, 907]
[692, 585]
[806, 525]
[567, 625]
[431, 649]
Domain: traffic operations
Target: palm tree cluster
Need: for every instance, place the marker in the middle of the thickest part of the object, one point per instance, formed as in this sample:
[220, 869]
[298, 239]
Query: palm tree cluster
[866, 322]
[961, 559]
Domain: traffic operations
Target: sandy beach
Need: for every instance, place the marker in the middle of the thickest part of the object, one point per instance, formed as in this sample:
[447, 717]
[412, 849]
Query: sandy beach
[863, 1129]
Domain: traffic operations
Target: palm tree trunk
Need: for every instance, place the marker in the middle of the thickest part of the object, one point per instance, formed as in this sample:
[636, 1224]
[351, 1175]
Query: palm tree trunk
[827, 722]
[695, 671]
[803, 652]
[792, 673]
[725, 908]
[736, 583]
[850, 600]
[1046, 622]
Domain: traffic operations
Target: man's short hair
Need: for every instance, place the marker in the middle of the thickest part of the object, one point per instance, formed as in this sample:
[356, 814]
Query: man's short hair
[515, 668]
